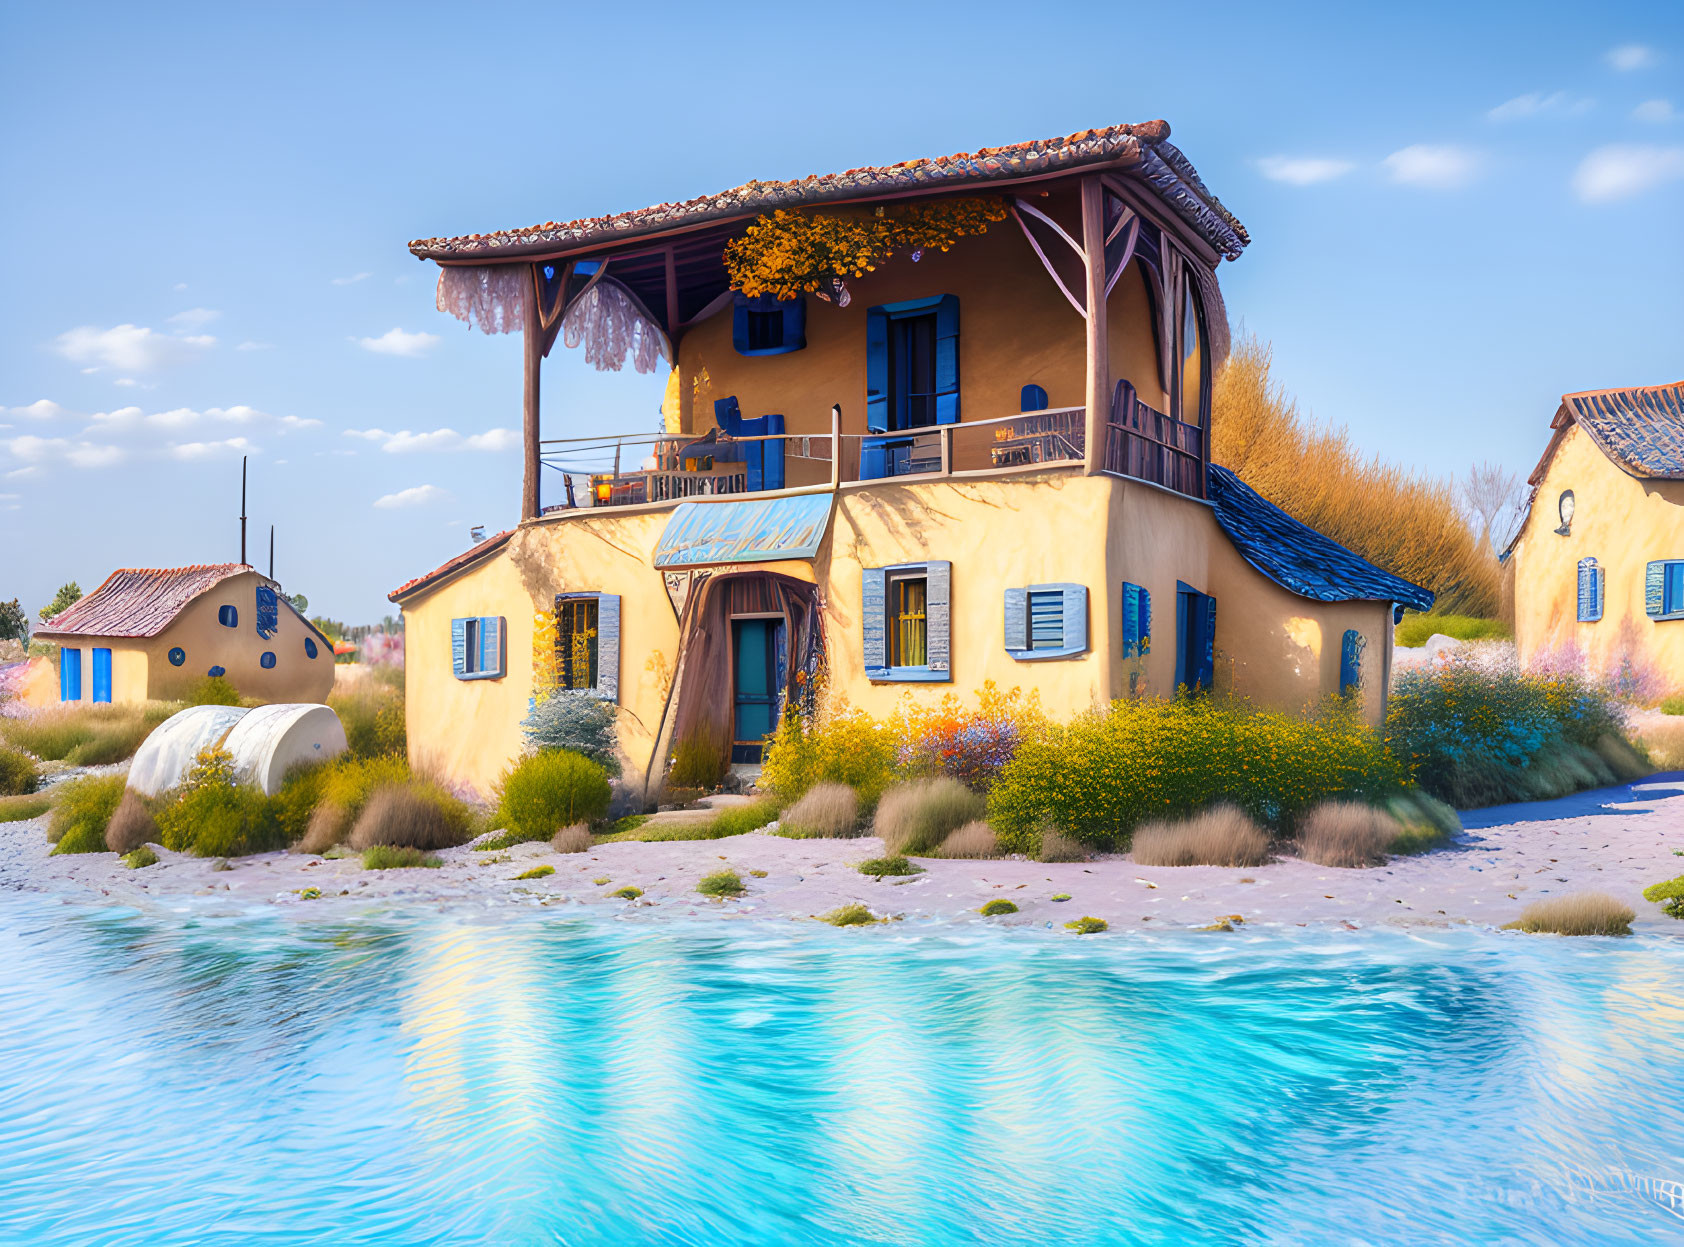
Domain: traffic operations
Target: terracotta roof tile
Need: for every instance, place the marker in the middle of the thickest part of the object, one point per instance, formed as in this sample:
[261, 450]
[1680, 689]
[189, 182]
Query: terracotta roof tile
[465, 559]
[139, 601]
[1144, 150]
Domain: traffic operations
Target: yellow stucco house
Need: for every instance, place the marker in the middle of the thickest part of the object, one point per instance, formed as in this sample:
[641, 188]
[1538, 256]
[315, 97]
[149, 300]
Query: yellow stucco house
[151, 633]
[1598, 563]
[927, 425]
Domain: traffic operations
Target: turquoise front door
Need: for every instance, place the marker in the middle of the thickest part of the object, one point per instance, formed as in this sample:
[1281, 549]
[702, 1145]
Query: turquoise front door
[753, 653]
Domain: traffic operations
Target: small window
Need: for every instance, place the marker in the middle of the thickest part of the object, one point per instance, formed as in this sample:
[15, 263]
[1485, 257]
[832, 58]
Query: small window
[471, 654]
[177, 656]
[909, 621]
[905, 622]
[69, 674]
[577, 642]
[765, 330]
[763, 325]
[477, 651]
[1047, 621]
[1590, 591]
[267, 662]
[228, 616]
[1351, 649]
[1195, 638]
[268, 612]
[310, 650]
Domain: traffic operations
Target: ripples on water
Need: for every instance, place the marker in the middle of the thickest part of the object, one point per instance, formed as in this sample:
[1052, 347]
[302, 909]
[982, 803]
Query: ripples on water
[435, 1080]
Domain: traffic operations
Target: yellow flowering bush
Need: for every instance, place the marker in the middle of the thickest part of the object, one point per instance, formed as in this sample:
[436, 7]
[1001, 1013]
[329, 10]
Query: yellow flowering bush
[1101, 775]
[840, 744]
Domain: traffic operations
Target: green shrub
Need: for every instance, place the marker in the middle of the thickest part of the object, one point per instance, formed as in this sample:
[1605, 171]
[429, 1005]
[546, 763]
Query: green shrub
[219, 820]
[1669, 896]
[720, 883]
[737, 820]
[416, 815]
[824, 810]
[372, 714]
[841, 747]
[1098, 777]
[1673, 704]
[1426, 823]
[112, 740]
[577, 723]
[627, 893]
[1582, 913]
[916, 817]
[299, 796]
[21, 809]
[17, 772]
[1416, 629]
[700, 759]
[330, 798]
[394, 857]
[880, 866]
[544, 792]
[999, 905]
[855, 915]
[1087, 926]
[139, 859]
[49, 734]
[537, 872]
[81, 810]
[213, 690]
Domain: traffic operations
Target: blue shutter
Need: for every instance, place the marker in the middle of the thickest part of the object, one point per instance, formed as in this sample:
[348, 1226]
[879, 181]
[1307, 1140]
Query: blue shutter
[69, 674]
[1590, 591]
[1033, 398]
[102, 674]
[607, 646]
[1137, 615]
[874, 599]
[795, 323]
[793, 312]
[268, 612]
[947, 360]
[876, 374]
[739, 322]
[1207, 644]
[492, 657]
[459, 647]
[1017, 619]
[1654, 589]
[938, 612]
[1672, 599]
[1350, 662]
[1075, 619]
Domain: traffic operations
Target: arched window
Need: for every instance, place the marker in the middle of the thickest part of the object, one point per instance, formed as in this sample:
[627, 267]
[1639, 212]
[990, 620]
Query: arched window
[1192, 370]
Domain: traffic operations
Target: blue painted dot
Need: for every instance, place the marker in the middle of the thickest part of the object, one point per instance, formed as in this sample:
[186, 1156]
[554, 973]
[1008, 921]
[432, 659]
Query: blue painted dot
[309, 647]
[217, 671]
[177, 656]
[267, 661]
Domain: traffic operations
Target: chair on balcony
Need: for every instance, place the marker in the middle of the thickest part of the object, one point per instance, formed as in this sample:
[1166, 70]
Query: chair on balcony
[763, 461]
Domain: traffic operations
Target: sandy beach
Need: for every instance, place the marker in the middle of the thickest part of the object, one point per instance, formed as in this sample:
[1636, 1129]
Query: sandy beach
[1616, 840]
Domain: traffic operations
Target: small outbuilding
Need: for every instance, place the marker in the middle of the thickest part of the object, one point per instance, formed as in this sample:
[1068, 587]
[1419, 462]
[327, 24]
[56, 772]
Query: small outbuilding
[151, 633]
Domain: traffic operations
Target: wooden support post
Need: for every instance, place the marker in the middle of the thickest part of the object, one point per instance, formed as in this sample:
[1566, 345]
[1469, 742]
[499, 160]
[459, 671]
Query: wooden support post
[672, 302]
[836, 446]
[533, 335]
[1099, 363]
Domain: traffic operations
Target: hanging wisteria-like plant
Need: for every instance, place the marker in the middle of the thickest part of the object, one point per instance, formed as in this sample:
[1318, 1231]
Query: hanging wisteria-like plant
[793, 251]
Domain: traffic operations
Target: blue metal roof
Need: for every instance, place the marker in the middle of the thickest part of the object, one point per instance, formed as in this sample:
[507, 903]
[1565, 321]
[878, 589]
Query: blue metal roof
[1642, 430]
[743, 530]
[1296, 556]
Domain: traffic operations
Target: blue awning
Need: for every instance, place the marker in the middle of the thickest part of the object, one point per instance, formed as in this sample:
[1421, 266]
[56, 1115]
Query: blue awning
[750, 530]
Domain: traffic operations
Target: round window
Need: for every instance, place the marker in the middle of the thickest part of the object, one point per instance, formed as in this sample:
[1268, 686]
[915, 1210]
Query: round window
[268, 660]
[215, 671]
[177, 656]
[309, 647]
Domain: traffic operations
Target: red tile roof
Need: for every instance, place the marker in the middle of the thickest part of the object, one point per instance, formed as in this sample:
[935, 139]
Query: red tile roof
[467, 558]
[1143, 150]
[138, 601]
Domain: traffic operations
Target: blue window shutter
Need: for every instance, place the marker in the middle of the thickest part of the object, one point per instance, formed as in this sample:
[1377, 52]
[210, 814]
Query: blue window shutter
[1145, 622]
[793, 313]
[795, 323]
[739, 322]
[102, 674]
[1350, 662]
[491, 648]
[268, 612]
[607, 646]
[1033, 398]
[876, 373]
[1137, 620]
[267, 661]
[1672, 596]
[1075, 619]
[947, 360]
[1590, 591]
[228, 616]
[1654, 589]
[69, 674]
[459, 647]
[1017, 619]
[874, 605]
[1207, 643]
[938, 613]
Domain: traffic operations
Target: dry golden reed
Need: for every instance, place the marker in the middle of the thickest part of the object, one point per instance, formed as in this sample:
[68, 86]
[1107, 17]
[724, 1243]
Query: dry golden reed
[1223, 835]
[1346, 834]
[1582, 913]
[974, 840]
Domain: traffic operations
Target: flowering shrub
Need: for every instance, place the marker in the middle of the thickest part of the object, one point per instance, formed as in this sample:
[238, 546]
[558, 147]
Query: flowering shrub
[580, 723]
[838, 745]
[969, 745]
[1098, 777]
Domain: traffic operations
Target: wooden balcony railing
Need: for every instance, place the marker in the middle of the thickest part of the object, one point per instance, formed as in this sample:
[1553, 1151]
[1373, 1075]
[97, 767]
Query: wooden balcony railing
[1144, 443]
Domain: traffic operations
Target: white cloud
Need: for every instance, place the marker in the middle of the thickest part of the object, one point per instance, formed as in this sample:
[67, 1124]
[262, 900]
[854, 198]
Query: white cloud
[1303, 170]
[1655, 110]
[179, 419]
[193, 451]
[398, 342]
[195, 317]
[352, 280]
[180, 286]
[1534, 103]
[416, 496]
[40, 409]
[21, 474]
[298, 423]
[129, 348]
[255, 346]
[42, 450]
[1433, 167]
[1621, 170]
[1630, 56]
[127, 383]
[405, 442]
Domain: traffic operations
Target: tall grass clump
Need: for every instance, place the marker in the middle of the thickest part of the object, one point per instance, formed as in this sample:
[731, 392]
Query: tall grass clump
[701, 758]
[975, 841]
[1106, 772]
[544, 792]
[574, 839]
[838, 745]
[84, 735]
[1223, 835]
[211, 814]
[1347, 834]
[914, 818]
[132, 824]
[372, 714]
[826, 811]
[317, 807]
[82, 810]
[398, 857]
[1582, 913]
[1403, 521]
[739, 820]
[416, 815]
[22, 809]
[18, 776]
[576, 722]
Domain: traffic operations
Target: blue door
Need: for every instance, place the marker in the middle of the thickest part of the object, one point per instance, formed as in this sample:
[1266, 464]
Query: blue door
[102, 674]
[752, 650]
[69, 674]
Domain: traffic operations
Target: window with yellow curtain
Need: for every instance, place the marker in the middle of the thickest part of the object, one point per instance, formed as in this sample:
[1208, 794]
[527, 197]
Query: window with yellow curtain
[908, 621]
[576, 642]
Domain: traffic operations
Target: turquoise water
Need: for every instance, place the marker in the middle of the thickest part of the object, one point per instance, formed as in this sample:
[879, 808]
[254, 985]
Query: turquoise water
[266, 1079]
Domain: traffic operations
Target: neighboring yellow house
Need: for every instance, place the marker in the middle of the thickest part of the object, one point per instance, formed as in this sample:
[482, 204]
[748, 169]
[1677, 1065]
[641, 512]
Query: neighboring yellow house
[151, 633]
[1599, 561]
[980, 452]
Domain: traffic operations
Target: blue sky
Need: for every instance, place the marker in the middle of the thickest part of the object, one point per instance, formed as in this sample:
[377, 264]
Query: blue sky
[1459, 211]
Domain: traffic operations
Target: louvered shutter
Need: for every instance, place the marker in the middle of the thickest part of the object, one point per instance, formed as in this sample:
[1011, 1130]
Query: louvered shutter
[876, 372]
[608, 646]
[459, 648]
[1350, 662]
[938, 615]
[492, 654]
[874, 594]
[1075, 619]
[1137, 620]
[1590, 591]
[1207, 645]
[947, 360]
[1654, 589]
[1017, 619]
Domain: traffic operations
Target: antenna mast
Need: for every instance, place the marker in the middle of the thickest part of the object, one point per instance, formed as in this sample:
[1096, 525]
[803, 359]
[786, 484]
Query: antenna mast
[242, 510]
[271, 552]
